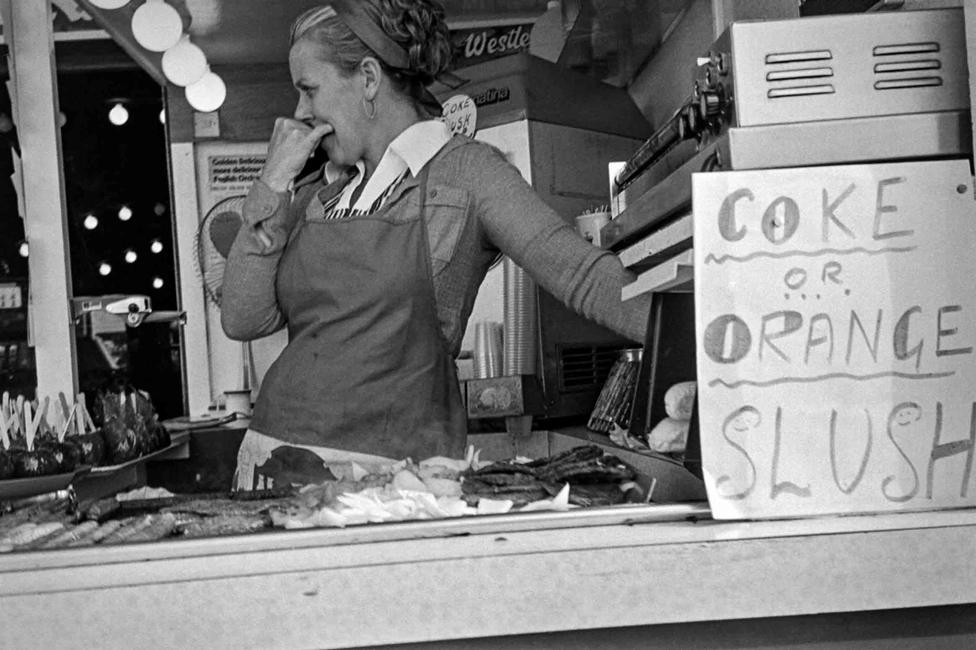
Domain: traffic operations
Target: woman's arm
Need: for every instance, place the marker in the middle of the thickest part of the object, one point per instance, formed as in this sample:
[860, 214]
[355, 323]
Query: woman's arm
[249, 303]
[584, 277]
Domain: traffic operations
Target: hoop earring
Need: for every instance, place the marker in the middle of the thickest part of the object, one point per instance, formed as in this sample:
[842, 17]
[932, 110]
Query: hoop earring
[369, 107]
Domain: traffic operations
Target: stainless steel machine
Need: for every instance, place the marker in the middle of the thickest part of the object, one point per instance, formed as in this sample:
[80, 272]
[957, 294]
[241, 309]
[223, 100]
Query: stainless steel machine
[825, 90]
[811, 91]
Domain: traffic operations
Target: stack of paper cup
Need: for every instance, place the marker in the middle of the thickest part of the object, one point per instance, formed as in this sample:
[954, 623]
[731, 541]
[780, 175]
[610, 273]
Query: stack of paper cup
[487, 349]
[520, 313]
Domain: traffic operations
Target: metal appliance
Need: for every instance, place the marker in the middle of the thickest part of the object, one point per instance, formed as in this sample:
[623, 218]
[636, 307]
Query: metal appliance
[851, 88]
[811, 91]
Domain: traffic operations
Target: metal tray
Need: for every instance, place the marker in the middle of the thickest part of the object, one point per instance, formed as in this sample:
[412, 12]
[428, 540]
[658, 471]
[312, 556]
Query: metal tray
[18, 488]
[176, 439]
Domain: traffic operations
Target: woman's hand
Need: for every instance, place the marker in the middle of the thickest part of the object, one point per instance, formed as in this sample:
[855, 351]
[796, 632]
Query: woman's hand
[292, 142]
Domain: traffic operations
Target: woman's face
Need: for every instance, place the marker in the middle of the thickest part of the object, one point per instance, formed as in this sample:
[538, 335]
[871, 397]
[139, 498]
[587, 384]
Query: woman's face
[326, 96]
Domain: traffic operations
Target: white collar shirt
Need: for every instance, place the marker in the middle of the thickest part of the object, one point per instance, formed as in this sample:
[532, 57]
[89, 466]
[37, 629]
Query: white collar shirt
[410, 150]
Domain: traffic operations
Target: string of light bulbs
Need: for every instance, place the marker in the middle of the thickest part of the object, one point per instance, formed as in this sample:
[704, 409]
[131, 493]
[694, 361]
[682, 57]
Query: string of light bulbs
[158, 27]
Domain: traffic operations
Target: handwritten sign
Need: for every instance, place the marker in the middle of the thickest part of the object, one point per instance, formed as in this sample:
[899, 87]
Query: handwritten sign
[836, 325]
[461, 115]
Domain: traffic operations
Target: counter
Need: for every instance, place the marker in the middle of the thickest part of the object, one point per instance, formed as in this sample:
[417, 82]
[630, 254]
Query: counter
[495, 576]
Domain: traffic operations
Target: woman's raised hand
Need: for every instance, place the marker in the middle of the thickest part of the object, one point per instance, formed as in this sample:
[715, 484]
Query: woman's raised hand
[292, 142]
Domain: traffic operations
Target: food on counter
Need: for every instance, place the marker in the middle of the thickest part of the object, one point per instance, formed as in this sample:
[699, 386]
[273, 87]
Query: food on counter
[27, 533]
[143, 493]
[679, 400]
[100, 509]
[583, 476]
[66, 453]
[92, 447]
[596, 478]
[226, 524]
[130, 426]
[6, 465]
[103, 531]
[69, 535]
[432, 489]
[33, 461]
[46, 437]
[670, 435]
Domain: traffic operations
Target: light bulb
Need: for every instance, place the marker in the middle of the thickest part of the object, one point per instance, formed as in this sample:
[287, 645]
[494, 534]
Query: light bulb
[125, 213]
[157, 283]
[157, 26]
[24, 249]
[184, 63]
[156, 246]
[130, 256]
[159, 209]
[162, 116]
[91, 222]
[104, 268]
[208, 94]
[118, 115]
[110, 4]
[62, 119]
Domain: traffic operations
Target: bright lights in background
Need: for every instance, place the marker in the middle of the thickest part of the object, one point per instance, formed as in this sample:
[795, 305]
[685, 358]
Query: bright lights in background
[104, 268]
[156, 246]
[91, 222]
[157, 26]
[162, 116]
[208, 94]
[109, 4]
[130, 256]
[125, 213]
[118, 115]
[62, 119]
[159, 209]
[157, 282]
[184, 63]
[24, 249]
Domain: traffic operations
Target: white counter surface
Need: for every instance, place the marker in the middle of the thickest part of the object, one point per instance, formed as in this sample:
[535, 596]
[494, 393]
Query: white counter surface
[482, 577]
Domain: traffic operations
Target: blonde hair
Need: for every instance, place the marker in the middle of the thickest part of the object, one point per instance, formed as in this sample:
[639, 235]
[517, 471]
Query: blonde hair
[417, 26]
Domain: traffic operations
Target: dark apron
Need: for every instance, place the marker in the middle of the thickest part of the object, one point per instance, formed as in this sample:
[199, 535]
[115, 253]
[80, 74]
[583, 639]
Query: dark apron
[367, 368]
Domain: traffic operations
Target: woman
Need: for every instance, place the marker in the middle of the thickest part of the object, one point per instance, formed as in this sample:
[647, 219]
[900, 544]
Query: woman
[373, 262]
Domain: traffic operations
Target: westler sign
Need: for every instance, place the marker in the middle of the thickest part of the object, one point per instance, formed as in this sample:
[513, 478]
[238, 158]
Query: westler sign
[476, 45]
[836, 325]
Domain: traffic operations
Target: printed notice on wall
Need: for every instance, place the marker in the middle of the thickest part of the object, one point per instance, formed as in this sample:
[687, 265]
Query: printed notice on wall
[231, 173]
[836, 326]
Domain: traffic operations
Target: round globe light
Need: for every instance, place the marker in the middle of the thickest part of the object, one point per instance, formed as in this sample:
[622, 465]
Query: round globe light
[125, 213]
[23, 249]
[157, 26]
[162, 116]
[110, 4]
[208, 94]
[118, 115]
[156, 246]
[184, 63]
[104, 268]
[157, 283]
[130, 256]
[91, 222]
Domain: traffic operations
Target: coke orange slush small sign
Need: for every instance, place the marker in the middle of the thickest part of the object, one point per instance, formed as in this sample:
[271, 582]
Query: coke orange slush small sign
[836, 325]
